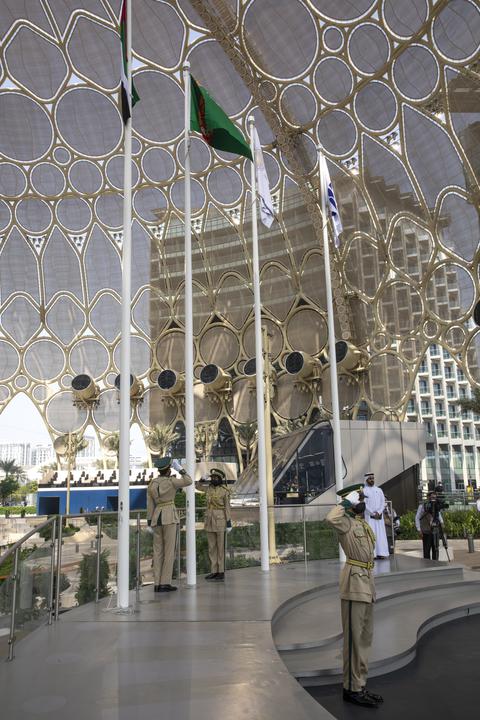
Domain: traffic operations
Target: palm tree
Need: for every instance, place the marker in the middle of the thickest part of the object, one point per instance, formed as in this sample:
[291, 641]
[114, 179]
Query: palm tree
[288, 426]
[161, 438]
[112, 444]
[247, 433]
[205, 436]
[12, 470]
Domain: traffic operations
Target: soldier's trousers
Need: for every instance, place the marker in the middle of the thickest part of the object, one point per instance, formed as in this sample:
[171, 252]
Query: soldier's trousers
[216, 551]
[164, 537]
[357, 623]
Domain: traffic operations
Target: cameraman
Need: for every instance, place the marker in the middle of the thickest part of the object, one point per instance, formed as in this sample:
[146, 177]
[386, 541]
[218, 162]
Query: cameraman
[429, 523]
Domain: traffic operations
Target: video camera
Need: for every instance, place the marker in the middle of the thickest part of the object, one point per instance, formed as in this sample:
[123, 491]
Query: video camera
[433, 508]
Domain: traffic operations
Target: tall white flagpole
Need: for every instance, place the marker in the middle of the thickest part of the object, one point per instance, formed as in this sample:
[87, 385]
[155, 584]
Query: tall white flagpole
[189, 397]
[124, 454]
[337, 441]
[259, 370]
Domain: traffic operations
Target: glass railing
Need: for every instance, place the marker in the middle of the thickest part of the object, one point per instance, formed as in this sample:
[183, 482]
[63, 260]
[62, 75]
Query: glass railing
[62, 563]
[72, 560]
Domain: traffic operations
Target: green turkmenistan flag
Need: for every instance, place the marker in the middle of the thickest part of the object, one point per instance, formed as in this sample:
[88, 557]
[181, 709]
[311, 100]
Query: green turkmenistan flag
[207, 118]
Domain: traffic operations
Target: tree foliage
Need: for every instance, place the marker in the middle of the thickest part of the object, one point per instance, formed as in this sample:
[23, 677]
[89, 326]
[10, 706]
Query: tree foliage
[88, 581]
[8, 486]
[161, 438]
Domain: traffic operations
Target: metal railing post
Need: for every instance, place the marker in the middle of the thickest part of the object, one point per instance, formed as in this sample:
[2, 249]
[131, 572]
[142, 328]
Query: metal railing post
[52, 572]
[99, 552]
[137, 560]
[305, 554]
[179, 535]
[11, 638]
[59, 565]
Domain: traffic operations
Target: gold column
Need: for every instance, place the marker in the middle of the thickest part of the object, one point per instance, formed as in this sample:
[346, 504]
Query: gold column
[272, 544]
[69, 469]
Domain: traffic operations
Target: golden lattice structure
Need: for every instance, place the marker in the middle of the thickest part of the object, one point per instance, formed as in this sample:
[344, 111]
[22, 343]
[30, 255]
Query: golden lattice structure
[390, 88]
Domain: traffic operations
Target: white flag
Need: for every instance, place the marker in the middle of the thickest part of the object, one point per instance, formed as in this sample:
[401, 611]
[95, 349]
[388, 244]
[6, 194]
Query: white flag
[263, 187]
[330, 201]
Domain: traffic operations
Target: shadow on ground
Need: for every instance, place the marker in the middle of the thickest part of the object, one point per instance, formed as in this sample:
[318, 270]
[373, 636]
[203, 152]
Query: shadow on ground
[441, 683]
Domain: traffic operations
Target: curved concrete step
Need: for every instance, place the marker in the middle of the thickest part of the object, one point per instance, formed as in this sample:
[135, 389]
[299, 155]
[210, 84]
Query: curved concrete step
[312, 619]
[400, 621]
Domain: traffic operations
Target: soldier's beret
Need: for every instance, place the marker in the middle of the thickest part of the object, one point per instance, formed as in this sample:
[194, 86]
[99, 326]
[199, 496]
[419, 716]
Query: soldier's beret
[356, 487]
[163, 463]
[217, 471]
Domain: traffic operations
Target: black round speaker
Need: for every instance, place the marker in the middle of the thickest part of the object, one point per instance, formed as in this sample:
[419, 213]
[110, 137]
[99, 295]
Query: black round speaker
[81, 382]
[250, 367]
[209, 374]
[341, 350]
[476, 313]
[117, 381]
[294, 362]
[167, 379]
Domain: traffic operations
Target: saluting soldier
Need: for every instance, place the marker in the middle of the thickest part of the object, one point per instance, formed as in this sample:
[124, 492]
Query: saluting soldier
[217, 521]
[162, 517]
[357, 593]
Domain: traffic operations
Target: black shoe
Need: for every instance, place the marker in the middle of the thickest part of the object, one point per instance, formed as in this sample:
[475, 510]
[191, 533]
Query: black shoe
[220, 576]
[374, 696]
[156, 588]
[166, 588]
[212, 576]
[359, 698]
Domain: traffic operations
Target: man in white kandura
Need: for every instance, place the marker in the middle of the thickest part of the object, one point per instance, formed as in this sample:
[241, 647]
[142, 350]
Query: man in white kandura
[374, 507]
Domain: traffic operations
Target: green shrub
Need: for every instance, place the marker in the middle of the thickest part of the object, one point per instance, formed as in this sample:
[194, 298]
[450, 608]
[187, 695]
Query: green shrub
[87, 572]
[457, 524]
[18, 509]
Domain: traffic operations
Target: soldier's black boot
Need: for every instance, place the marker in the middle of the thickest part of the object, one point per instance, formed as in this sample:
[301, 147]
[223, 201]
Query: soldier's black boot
[211, 576]
[359, 698]
[156, 588]
[166, 588]
[220, 576]
[374, 696]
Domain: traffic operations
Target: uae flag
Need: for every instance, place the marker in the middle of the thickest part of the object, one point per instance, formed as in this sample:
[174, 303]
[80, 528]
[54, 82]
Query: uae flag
[127, 101]
[207, 118]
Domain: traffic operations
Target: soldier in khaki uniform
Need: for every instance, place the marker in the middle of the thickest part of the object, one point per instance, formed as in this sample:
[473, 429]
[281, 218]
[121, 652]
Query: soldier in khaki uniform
[162, 517]
[357, 593]
[217, 521]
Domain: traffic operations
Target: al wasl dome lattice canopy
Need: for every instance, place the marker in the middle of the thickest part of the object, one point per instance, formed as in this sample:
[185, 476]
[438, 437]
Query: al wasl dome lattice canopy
[390, 88]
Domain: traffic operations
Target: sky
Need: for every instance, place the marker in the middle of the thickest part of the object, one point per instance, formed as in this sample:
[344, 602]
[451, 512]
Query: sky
[21, 422]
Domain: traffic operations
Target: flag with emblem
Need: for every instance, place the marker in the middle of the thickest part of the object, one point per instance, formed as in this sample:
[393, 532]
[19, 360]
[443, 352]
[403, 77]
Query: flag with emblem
[330, 201]
[127, 101]
[214, 125]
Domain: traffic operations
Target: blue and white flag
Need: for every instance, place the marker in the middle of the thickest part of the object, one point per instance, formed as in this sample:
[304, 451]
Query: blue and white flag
[267, 213]
[330, 201]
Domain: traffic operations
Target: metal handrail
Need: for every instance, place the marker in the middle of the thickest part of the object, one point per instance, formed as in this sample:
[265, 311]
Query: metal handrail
[56, 542]
[20, 542]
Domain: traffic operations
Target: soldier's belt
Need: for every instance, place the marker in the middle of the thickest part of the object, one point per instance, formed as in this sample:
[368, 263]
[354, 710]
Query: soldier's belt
[211, 506]
[358, 563]
[164, 504]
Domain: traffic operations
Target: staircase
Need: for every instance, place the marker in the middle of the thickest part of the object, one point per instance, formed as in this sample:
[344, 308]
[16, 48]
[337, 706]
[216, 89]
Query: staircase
[308, 634]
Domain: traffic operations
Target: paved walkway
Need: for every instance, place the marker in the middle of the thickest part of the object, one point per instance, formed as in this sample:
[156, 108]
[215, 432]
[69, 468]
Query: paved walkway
[198, 654]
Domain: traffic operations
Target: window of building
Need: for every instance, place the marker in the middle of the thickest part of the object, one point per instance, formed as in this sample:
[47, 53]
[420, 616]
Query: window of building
[434, 350]
[423, 386]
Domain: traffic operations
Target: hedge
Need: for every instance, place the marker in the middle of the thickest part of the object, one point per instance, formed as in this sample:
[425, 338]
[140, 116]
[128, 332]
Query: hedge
[18, 509]
[457, 523]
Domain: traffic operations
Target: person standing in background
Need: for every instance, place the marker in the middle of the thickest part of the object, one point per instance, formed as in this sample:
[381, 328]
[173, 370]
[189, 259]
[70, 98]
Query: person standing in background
[374, 507]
